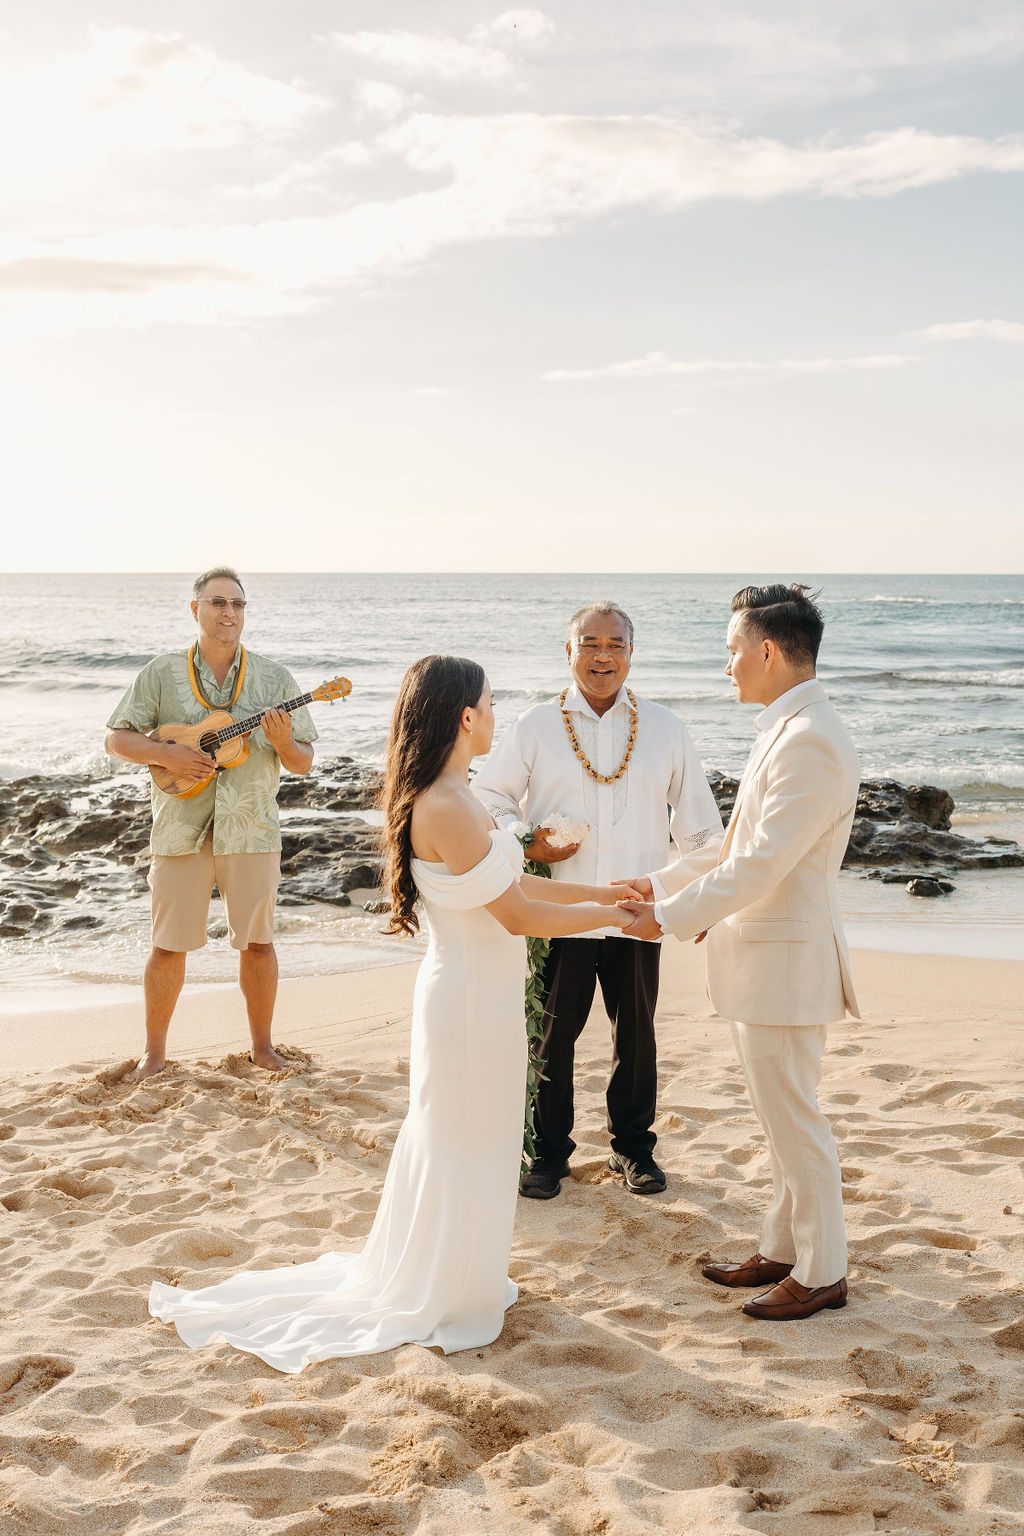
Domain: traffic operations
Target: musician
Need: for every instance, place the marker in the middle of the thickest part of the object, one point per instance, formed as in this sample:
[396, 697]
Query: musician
[229, 833]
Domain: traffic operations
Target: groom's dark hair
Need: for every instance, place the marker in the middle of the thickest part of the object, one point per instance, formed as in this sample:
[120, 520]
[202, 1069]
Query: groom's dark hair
[788, 615]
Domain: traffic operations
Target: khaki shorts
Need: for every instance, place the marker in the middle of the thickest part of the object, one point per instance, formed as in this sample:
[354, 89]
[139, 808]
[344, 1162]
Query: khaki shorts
[182, 887]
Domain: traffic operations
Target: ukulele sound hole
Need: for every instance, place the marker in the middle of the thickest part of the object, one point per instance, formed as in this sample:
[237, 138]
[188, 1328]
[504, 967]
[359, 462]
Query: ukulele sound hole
[208, 743]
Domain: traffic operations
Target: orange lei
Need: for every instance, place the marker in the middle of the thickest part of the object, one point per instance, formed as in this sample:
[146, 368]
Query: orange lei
[574, 741]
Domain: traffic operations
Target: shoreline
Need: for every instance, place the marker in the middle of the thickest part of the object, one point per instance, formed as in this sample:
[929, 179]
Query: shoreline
[81, 1034]
[923, 935]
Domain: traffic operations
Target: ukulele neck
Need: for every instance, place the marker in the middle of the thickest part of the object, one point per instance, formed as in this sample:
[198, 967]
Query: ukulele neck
[243, 727]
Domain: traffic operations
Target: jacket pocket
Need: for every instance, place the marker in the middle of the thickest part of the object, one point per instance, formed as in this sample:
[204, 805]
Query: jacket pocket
[760, 933]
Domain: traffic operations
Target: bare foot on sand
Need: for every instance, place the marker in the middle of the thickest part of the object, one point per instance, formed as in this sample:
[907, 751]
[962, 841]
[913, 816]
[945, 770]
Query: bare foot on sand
[149, 1066]
[269, 1059]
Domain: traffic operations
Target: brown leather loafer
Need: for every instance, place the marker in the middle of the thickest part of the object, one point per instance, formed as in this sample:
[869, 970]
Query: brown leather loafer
[790, 1299]
[755, 1271]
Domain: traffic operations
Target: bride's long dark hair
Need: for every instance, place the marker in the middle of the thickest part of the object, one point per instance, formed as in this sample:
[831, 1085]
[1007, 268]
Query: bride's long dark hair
[424, 730]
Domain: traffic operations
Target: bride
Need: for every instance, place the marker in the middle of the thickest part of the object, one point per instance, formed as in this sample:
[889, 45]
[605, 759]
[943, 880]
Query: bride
[435, 1266]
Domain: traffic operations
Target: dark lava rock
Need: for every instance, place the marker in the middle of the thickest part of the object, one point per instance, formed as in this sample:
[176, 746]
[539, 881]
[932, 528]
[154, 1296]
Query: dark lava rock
[337, 784]
[80, 920]
[900, 876]
[22, 913]
[924, 885]
[914, 844]
[49, 853]
[724, 790]
[361, 876]
[299, 890]
[885, 800]
[902, 829]
[47, 808]
[114, 831]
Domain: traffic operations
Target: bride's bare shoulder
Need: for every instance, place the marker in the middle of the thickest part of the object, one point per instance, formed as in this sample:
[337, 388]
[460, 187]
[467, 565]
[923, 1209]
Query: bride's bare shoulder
[450, 825]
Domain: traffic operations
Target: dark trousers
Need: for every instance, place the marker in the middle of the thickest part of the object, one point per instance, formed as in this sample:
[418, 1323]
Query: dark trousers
[628, 972]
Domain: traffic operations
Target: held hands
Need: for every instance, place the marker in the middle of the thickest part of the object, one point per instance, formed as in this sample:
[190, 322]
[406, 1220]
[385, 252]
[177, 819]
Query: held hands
[617, 892]
[643, 923]
[277, 728]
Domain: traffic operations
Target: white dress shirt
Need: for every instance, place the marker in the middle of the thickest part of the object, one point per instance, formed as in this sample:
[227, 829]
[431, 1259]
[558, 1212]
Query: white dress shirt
[762, 722]
[661, 804]
[775, 711]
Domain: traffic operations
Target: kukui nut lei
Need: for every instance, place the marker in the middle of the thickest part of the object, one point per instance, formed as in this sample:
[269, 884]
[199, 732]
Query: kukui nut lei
[574, 741]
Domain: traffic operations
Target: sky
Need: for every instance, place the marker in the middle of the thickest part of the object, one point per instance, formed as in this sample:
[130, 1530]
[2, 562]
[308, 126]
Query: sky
[674, 285]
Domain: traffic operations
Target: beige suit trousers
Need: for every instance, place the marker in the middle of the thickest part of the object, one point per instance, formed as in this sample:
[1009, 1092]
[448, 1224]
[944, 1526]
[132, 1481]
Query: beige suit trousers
[782, 1068]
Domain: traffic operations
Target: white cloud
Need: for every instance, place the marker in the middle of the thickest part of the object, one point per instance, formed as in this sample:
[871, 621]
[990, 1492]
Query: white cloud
[974, 330]
[133, 93]
[750, 55]
[488, 53]
[418, 53]
[505, 176]
[380, 97]
[85, 275]
[533, 172]
[658, 365]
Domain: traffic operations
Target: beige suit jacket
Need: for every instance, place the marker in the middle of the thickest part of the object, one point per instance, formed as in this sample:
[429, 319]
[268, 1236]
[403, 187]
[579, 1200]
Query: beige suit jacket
[776, 953]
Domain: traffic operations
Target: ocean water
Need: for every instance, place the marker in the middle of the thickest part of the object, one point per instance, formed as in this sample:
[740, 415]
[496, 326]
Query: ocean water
[927, 672]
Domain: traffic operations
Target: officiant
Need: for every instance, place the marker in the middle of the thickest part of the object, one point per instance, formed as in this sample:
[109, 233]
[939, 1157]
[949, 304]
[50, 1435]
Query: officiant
[600, 754]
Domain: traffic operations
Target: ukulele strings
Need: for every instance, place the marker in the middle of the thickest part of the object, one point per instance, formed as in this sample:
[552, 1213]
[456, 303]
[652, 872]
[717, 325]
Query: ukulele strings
[241, 726]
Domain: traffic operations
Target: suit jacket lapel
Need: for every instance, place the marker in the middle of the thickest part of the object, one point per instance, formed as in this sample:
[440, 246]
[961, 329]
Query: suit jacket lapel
[758, 756]
[754, 762]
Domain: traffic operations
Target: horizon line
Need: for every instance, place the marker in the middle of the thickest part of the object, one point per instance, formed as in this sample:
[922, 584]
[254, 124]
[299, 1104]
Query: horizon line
[533, 574]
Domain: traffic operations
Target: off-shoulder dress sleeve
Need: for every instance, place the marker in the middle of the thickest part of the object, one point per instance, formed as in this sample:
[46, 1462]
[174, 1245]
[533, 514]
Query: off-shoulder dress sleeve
[483, 883]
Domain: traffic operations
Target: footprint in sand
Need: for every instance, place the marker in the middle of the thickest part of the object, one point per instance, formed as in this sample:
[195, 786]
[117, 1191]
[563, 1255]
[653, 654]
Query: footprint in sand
[77, 1185]
[197, 1245]
[290, 1427]
[891, 1071]
[27, 1377]
[1014, 1108]
[921, 1237]
[943, 1092]
[1010, 1337]
[1005, 1146]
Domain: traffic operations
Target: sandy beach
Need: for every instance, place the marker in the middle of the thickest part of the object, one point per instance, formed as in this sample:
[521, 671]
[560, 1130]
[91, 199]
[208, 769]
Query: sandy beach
[626, 1395]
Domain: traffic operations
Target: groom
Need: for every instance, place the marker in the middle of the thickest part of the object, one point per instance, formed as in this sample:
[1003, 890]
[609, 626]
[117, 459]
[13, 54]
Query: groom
[777, 960]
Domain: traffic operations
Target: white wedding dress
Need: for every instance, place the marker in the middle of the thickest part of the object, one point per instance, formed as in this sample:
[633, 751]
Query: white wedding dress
[435, 1266]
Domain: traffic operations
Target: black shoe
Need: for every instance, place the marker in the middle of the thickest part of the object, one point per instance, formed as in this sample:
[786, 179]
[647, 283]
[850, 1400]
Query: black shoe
[641, 1173]
[543, 1182]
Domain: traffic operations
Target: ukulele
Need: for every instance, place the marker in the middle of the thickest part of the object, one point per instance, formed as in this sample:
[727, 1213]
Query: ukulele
[225, 740]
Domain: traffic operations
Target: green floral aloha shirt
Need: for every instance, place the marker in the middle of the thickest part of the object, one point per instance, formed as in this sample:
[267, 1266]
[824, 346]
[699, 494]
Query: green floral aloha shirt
[240, 804]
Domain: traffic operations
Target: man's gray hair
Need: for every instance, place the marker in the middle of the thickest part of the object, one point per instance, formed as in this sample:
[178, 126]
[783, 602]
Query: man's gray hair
[576, 622]
[217, 572]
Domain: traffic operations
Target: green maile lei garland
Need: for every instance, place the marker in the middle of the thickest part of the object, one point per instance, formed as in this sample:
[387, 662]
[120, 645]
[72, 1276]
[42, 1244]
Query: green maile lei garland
[536, 954]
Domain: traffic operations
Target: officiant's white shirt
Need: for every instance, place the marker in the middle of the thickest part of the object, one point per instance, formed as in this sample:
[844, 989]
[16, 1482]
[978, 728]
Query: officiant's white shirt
[662, 808]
